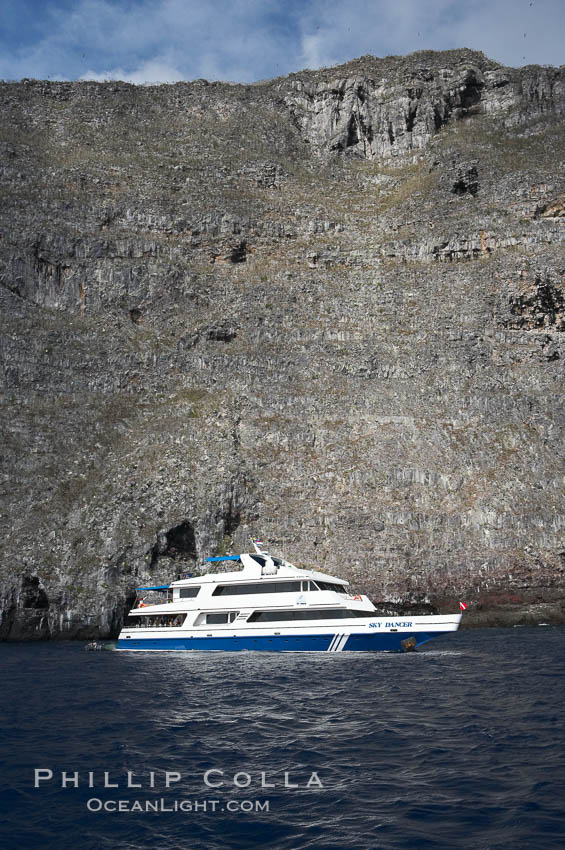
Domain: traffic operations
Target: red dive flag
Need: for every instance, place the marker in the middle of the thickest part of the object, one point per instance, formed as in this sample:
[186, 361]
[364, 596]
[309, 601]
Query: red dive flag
[463, 606]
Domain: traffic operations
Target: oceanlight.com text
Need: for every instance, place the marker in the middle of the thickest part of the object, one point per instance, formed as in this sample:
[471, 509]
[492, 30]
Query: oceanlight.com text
[95, 804]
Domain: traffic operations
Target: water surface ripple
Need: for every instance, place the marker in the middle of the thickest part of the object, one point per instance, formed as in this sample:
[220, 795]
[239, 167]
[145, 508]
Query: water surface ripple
[461, 744]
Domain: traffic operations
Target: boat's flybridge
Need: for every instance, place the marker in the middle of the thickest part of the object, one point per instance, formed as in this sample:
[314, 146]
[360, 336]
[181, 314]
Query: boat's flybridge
[264, 602]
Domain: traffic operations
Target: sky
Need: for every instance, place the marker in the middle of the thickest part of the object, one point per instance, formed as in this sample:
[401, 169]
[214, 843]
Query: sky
[149, 41]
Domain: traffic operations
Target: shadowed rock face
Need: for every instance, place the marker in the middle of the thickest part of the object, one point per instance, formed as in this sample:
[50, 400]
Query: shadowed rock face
[326, 309]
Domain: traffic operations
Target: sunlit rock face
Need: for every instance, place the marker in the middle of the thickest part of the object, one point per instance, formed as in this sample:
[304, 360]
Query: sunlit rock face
[326, 309]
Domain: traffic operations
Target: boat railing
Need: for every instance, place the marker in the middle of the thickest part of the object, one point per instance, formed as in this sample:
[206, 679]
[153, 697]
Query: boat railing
[147, 597]
[155, 621]
[141, 603]
[219, 568]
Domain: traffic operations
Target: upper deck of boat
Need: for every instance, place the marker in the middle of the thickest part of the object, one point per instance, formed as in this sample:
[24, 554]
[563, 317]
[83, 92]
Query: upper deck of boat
[253, 567]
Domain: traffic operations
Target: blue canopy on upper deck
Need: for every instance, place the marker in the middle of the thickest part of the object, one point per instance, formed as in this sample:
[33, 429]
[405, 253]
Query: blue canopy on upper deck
[156, 587]
[224, 558]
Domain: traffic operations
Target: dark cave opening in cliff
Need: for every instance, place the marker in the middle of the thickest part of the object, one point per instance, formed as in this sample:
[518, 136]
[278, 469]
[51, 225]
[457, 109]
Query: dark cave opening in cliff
[411, 117]
[239, 253]
[181, 543]
[231, 520]
[352, 133]
[471, 96]
[178, 544]
[33, 595]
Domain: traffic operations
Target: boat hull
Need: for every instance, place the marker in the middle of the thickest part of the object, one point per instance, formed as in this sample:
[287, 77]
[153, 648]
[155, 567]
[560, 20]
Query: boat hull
[332, 642]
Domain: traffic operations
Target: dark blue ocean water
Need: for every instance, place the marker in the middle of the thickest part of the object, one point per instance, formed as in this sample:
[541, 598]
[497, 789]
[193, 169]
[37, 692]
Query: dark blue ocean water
[460, 745]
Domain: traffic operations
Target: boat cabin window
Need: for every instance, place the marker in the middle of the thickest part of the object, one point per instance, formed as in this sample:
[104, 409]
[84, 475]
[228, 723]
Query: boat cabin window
[157, 621]
[221, 617]
[259, 559]
[328, 585]
[307, 614]
[257, 587]
[188, 592]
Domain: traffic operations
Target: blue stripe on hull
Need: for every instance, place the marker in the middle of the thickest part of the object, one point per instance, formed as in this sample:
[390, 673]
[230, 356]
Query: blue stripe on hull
[361, 642]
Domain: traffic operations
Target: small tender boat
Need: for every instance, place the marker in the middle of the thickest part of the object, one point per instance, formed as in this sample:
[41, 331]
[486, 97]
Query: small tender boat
[265, 603]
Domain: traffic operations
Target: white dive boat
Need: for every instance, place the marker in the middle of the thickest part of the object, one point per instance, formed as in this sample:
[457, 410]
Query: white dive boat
[265, 603]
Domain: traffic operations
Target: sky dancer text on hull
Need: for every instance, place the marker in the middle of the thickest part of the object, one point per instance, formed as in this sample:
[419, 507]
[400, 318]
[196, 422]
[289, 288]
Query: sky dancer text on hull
[265, 603]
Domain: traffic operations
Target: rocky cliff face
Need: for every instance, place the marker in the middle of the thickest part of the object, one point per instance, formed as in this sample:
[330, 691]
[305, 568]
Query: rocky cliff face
[326, 309]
